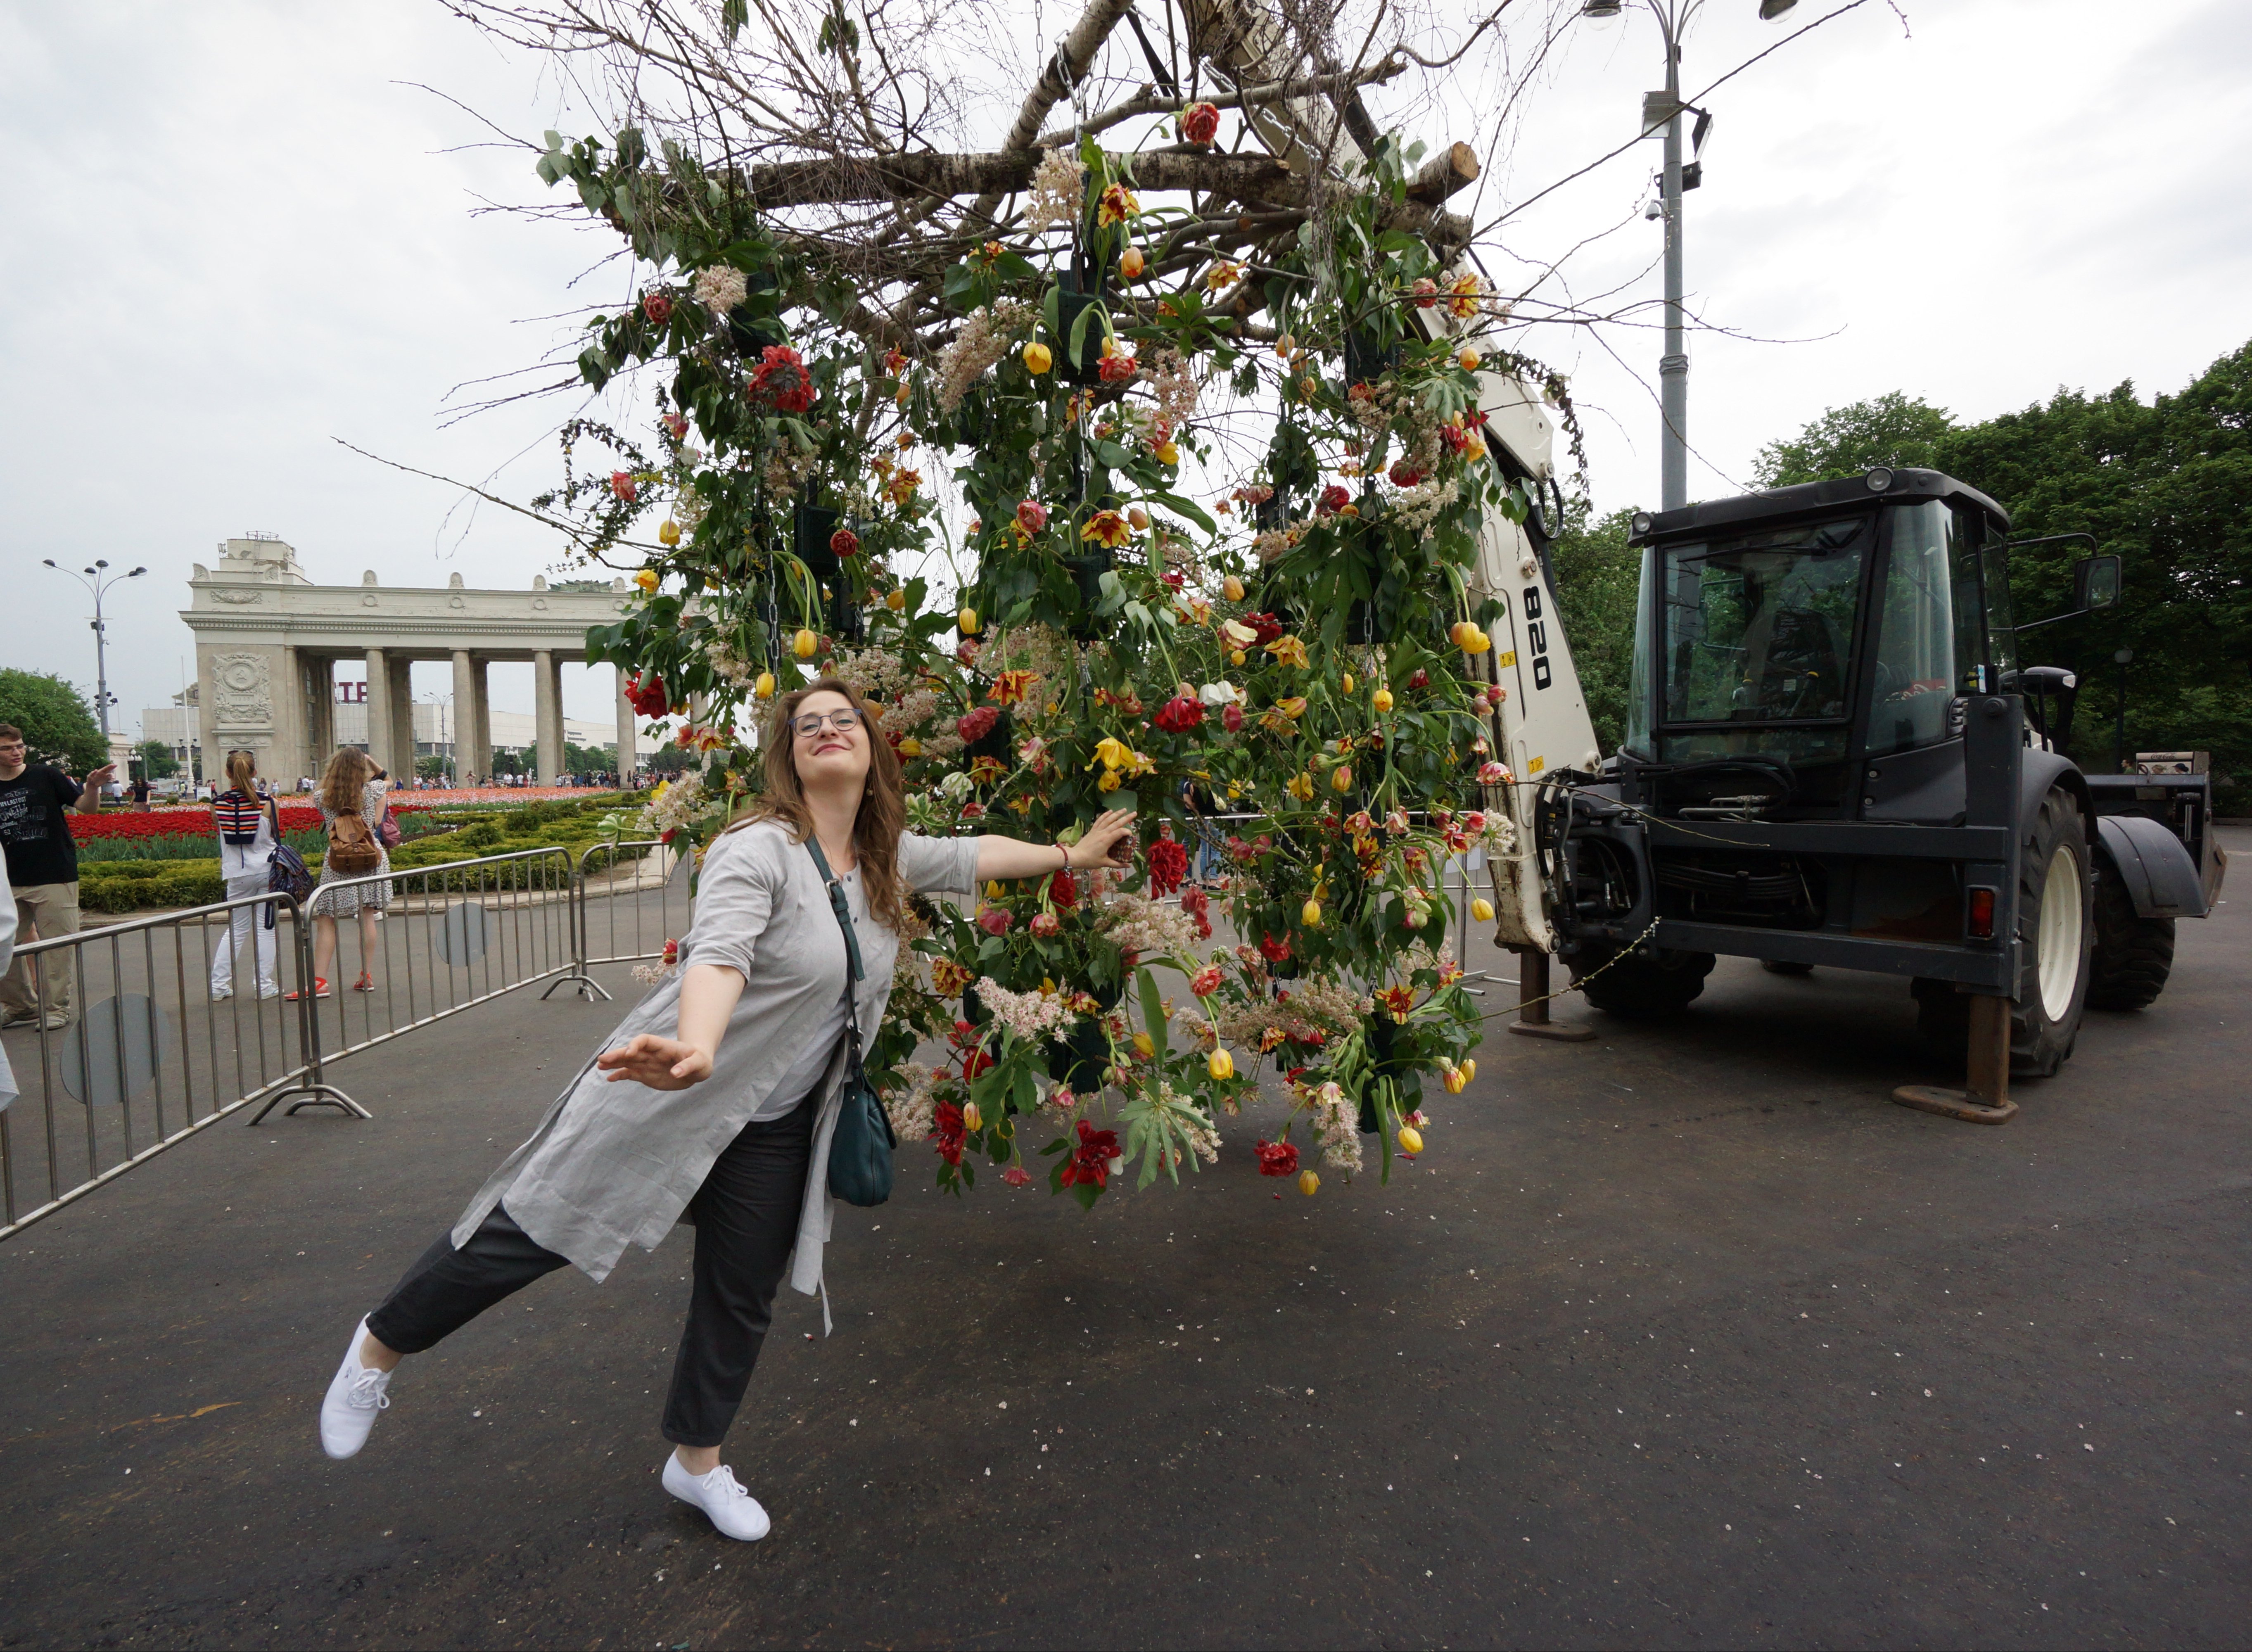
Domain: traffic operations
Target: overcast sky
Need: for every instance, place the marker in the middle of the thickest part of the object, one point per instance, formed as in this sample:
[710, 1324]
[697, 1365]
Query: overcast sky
[234, 235]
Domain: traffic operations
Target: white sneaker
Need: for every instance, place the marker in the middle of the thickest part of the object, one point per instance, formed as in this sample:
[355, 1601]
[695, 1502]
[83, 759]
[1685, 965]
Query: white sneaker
[220, 995]
[355, 1395]
[732, 1508]
[269, 991]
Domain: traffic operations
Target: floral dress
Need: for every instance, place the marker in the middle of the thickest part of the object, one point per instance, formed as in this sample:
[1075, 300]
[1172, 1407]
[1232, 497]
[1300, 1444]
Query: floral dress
[347, 903]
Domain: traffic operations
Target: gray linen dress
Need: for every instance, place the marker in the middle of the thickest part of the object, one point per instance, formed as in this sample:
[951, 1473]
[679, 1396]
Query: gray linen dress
[615, 1164]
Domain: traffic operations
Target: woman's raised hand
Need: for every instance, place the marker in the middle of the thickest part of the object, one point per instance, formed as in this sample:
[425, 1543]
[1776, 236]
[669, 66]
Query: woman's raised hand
[1110, 840]
[662, 1064]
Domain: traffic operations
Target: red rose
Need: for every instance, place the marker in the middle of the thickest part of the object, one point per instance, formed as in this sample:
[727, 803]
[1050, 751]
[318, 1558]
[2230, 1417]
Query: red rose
[1032, 516]
[977, 725]
[994, 920]
[946, 1120]
[1017, 1175]
[1334, 498]
[1200, 123]
[780, 380]
[844, 543]
[1275, 947]
[973, 1063]
[647, 696]
[1063, 891]
[1277, 1158]
[1178, 715]
[1205, 982]
[1117, 369]
[1231, 717]
[1405, 474]
[1090, 1161]
[623, 485]
[1045, 925]
[1265, 628]
[1169, 864]
[1422, 679]
[676, 424]
[657, 308]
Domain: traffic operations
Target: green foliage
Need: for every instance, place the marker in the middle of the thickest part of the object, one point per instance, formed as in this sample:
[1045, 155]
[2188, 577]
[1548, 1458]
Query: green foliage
[1892, 429]
[1595, 585]
[58, 726]
[155, 761]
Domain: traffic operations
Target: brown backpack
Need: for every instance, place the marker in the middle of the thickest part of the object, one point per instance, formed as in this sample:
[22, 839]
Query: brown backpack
[353, 851]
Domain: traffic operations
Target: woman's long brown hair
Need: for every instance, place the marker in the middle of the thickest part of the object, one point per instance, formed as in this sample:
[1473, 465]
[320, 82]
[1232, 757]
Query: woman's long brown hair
[344, 779]
[883, 814]
[242, 771]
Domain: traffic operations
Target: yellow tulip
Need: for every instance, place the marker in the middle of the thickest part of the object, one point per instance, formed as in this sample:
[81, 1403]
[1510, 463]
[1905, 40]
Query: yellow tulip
[970, 1117]
[1470, 1068]
[1468, 361]
[1132, 262]
[1346, 684]
[646, 579]
[1382, 700]
[1168, 453]
[1144, 1045]
[1453, 1081]
[968, 621]
[1479, 643]
[1222, 1065]
[1232, 588]
[1482, 909]
[1341, 778]
[1309, 1184]
[1110, 751]
[992, 889]
[1411, 1139]
[1139, 517]
[806, 645]
[1310, 914]
[1293, 707]
[1235, 656]
[1457, 632]
[911, 746]
[896, 601]
[668, 531]
[764, 688]
[1300, 786]
[1038, 357]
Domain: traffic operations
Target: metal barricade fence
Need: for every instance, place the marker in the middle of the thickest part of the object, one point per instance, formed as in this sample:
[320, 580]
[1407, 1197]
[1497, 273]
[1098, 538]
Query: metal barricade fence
[633, 897]
[144, 1055]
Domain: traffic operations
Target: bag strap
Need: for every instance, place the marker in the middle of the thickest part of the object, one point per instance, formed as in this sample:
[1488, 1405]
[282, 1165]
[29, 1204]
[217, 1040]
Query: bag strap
[843, 908]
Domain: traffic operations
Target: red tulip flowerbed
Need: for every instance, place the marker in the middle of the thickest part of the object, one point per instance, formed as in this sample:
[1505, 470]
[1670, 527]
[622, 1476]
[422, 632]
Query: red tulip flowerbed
[193, 823]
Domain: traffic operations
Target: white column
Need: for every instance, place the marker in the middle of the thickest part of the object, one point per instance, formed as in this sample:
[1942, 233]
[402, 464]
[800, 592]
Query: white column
[547, 714]
[397, 714]
[628, 723]
[382, 733]
[468, 720]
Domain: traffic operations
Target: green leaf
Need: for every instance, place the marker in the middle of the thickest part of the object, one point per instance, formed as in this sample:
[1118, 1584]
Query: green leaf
[1153, 1010]
[734, 14]
[1194, 512]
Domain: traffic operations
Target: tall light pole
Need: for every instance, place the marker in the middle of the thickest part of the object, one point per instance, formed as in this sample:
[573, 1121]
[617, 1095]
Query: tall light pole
[1673, 18]
[98, 580]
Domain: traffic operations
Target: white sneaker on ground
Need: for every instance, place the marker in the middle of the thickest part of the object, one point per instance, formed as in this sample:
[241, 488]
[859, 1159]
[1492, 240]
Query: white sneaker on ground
[732, 1508]
[355, 1395]
[220, 995]
[269, 990]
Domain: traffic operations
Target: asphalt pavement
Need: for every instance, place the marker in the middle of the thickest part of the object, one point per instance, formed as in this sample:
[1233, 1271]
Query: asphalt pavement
[1686, 1336]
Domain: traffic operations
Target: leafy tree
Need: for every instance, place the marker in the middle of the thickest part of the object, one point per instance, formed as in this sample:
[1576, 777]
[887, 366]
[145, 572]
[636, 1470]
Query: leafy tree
[587, 760]
[57, 722]
[1595, 585]
[1894, 429]
[667, 760]
[433, 766]
[157, 762]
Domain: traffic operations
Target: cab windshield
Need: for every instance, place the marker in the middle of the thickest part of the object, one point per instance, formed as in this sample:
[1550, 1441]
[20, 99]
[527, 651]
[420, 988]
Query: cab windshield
[1758, 644]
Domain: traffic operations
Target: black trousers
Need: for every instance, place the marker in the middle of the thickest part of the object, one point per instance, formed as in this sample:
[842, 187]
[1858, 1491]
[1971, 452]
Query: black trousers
[746, 1217]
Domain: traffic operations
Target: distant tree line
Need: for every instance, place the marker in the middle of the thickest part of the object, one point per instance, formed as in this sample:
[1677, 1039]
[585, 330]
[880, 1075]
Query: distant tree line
[2167, 484]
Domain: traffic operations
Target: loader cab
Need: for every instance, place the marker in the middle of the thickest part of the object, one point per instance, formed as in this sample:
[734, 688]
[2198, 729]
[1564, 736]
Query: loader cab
[1808, 653]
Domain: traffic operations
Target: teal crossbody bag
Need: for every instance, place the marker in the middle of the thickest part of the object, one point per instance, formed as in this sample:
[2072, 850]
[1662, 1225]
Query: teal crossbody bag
[861, 1147]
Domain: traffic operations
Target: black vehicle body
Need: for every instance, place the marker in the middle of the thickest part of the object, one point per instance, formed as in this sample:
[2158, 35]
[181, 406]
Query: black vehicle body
[1833, 758]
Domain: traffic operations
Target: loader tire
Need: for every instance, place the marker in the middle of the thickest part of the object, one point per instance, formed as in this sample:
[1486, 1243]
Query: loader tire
[2053, 992]
[1785, 967]
[1637, 988]
[2133, 955]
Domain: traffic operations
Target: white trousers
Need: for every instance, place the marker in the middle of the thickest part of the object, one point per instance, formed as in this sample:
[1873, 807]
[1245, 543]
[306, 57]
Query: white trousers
[249, 921]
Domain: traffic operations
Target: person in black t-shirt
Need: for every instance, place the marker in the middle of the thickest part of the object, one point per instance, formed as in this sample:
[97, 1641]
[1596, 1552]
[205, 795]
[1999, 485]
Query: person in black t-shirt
[42, 873]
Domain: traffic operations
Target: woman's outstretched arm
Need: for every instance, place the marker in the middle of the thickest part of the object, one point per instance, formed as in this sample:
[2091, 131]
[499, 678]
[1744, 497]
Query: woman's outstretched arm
[1109, 842]
[707, 998]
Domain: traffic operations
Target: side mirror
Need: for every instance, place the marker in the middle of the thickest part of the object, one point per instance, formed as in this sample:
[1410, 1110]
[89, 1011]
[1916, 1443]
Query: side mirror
[2095, 582]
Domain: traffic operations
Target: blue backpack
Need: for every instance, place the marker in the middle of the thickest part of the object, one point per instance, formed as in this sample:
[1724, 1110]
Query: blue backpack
[286, 873]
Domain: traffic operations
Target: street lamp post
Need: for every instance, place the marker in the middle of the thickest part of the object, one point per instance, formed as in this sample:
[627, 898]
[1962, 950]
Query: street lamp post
[1673, 17]
[98, 580]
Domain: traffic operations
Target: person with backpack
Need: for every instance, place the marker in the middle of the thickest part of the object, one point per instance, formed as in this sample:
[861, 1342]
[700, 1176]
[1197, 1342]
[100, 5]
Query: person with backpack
[731, 1097]
[248, 834]
[352, 803]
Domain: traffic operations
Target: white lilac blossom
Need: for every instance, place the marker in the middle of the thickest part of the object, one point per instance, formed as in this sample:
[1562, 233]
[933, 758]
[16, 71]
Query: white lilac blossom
[985, 337]
[1059, 184]
[1031, 1017]
[1337, 1126]
[911, 1106]
[720, 289]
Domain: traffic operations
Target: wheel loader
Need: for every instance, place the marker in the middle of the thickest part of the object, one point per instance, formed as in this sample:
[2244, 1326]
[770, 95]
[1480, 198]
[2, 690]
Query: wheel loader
[1834, 758]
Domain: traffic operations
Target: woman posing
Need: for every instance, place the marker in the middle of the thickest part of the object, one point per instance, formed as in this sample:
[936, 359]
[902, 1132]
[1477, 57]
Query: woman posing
[719, 1093]
[350, 786]
[249, 832]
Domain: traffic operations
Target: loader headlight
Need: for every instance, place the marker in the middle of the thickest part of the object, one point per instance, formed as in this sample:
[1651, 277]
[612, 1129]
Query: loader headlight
[1879, 479]
[1641, 522]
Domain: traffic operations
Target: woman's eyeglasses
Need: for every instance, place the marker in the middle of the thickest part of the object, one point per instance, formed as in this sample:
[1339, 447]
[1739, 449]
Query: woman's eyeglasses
[813, 722]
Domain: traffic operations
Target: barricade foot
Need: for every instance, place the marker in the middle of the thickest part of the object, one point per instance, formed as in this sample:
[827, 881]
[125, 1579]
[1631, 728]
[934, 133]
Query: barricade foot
[1953, 1104]
[1562, 1032]
[587, 986]
[314, 1095]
